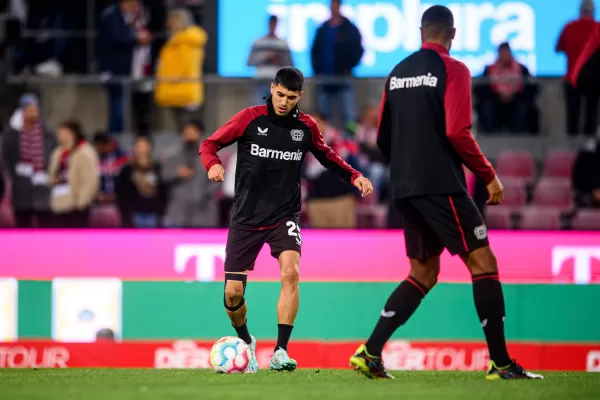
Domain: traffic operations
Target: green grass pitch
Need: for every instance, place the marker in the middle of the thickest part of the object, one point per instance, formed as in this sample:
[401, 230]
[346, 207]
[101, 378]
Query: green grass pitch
[152, 384]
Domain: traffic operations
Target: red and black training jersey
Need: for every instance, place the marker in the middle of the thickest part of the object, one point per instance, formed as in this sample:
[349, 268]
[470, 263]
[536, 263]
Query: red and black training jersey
[424, 125]
[271, 150]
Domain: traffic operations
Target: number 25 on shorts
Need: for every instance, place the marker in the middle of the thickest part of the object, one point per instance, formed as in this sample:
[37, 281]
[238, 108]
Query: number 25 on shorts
[294, 230]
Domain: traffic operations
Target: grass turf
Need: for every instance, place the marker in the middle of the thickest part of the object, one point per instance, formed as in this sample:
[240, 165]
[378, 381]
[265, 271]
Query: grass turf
[152, 384]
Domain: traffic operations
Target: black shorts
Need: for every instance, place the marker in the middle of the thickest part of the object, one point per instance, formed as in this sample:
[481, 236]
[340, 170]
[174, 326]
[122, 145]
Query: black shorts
[432, 223]
[244, 245]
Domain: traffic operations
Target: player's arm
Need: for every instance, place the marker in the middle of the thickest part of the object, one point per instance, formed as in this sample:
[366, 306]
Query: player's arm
[457, 101]
[384, 133]
[223, 137]
[334, 163]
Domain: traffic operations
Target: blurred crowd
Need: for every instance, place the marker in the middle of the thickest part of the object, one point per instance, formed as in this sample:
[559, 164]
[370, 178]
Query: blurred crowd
[63, 177]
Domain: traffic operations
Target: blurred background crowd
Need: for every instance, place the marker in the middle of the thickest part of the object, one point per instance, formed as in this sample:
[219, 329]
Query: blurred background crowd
[103, 105]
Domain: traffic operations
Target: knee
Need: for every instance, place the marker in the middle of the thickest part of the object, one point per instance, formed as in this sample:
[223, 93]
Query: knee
[289, 274]
[482, 261]
[427, 277]
[234, 293]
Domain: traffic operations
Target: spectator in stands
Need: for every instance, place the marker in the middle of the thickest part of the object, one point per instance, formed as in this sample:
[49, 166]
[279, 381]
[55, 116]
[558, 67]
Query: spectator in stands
[26, 151]
[336, 50]
[268, 54]
[586, 174]
[112, 159]
[123, 53]
[572, 40]
[141, 194]
[74, 176]
[331, 202]
[507, 98]
[366, 137]
[44, 49]
[182, 57]
[192, 201]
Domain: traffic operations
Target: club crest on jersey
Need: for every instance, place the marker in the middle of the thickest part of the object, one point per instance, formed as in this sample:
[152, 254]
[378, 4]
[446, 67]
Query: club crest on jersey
[297, 134]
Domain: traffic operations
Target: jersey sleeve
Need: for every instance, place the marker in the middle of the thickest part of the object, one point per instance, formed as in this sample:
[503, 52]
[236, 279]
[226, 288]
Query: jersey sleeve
[329, 158]
[458, 111]
[223, 137]
[384, 134]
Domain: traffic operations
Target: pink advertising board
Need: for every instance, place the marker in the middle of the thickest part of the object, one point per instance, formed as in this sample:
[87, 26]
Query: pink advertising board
[524, 257]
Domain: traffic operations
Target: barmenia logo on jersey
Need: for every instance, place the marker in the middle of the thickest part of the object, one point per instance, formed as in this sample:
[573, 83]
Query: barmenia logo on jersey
[414, 81]
[256, 150]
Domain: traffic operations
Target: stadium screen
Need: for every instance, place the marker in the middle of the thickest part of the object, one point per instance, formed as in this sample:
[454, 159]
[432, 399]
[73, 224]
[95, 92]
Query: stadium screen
[390, 31]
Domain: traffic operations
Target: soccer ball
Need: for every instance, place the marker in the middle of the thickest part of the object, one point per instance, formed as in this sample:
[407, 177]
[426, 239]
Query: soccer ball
[230, 355]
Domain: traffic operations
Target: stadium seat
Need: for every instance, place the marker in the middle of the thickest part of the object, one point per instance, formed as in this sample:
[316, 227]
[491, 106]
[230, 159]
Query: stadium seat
[515, 193]
[587, 220]
[559, 164]
[105, 216]
[516, 164]
[498, 217]
[7, 218]
[554, 192]
[540, 218]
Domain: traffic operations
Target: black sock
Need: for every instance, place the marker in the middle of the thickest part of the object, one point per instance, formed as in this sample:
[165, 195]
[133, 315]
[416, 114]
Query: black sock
[489, 302]
[400, 306]
[283, 336]
[242, 332]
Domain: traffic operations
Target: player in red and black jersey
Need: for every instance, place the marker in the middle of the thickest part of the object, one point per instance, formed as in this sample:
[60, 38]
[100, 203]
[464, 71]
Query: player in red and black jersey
[273, 140]
[424, 133]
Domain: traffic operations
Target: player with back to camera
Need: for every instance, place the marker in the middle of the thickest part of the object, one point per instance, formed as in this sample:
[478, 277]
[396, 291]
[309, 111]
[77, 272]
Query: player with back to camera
[273, 140]
[424, 133]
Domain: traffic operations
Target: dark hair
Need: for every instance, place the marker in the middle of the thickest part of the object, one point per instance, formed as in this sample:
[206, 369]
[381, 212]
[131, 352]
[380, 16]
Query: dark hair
[437, 22]
[197, 123]
[74, 126]
[146, 138]
[504, 46]
[101, 138]
[273, 18]
[290, 78]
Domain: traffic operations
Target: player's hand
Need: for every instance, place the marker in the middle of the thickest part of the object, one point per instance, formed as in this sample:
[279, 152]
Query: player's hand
[496, 192]
[364, 185]
[216, 173]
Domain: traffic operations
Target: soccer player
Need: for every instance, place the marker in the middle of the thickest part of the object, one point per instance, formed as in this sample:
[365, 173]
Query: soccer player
[425, 117]
[273, 140]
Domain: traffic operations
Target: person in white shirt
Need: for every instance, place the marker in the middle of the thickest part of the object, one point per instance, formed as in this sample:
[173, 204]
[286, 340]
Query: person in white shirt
[268, 55]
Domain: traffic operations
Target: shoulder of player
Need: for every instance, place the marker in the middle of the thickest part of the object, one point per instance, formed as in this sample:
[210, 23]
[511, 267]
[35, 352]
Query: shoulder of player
[455, 68]
[247, 115]
[310, 123]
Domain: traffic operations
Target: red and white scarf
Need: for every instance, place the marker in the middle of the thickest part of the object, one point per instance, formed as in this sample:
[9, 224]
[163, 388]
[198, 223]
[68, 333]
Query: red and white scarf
[63, 164]
[506, 79]
[31, 147]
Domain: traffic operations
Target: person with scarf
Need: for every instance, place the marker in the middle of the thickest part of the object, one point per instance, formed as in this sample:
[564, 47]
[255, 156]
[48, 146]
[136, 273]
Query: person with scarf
[74, 176]
[506, 96]
[124, 52]
[112, 159]
[26, 151]
[141, 194]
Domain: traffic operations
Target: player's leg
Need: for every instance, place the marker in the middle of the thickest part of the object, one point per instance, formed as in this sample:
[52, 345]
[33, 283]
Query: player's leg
[285, 242]
[463, 232]
[423, 248]
[240, 254]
